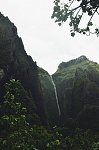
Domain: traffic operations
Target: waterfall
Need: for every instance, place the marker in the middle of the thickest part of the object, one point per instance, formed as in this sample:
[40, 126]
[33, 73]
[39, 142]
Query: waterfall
[56, 95]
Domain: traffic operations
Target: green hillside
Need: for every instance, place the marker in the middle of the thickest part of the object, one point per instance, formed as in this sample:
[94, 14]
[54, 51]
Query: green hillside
[77, 83]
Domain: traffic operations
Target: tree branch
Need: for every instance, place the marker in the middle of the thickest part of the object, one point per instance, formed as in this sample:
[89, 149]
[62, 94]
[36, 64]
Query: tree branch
[92, 15]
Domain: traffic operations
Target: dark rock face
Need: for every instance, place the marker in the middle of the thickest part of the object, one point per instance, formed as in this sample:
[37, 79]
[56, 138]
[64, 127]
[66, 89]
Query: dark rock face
[49, 97]
[15, 63]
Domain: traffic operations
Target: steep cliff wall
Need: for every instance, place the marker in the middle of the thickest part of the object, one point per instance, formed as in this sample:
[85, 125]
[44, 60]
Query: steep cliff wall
[15, 63]
[77, 83]
[49, 97]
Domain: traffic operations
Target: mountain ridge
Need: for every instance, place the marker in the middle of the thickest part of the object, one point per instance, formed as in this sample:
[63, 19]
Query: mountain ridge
[72, 62]
[16, 64]
[77, 84]
[76, 81]
[65, 79]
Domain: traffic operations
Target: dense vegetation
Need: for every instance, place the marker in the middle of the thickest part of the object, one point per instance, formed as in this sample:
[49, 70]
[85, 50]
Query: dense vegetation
[77, 83]
[26, 121]
[17, 134]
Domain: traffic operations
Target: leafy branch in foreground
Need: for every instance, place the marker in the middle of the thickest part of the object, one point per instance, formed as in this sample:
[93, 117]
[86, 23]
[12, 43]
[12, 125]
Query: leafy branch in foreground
[14, 129]
[17, 134]
[74, 11]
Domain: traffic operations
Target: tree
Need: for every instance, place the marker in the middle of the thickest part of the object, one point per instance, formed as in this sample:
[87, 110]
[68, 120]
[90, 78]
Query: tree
[75, 11]
[14, 129]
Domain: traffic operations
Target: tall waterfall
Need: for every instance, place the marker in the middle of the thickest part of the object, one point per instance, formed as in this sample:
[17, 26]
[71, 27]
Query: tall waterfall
[56, 95]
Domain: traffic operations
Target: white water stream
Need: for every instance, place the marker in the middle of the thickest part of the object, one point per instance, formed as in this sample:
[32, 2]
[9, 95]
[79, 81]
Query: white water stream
[56, 95]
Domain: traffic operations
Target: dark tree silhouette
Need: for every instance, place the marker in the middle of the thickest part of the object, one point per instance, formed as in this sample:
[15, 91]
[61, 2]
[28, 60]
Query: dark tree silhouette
[75, 11]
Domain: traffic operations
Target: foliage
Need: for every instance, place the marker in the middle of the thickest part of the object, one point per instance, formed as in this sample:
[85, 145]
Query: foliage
[75, 11]
[89, 118]
[17, 134]
[78, 139]
[13, 126]
[77, 83]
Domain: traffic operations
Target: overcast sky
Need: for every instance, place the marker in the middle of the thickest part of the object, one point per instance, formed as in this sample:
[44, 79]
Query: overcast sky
[44, 40]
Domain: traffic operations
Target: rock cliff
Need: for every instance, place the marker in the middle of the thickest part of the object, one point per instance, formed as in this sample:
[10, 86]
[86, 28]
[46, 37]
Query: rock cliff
[15, 63]
[49, 97]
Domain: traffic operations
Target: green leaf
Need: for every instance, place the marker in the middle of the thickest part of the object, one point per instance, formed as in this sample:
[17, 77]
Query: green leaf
[84, 32]
[90, 23]
[5, 117]
[70, 24]
[4, 142]
[59, 24]
[72, 34]
[24, 109]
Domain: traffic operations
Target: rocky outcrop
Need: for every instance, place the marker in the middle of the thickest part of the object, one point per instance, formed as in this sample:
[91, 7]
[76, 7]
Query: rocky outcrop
[15, 63]
[72, 62]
